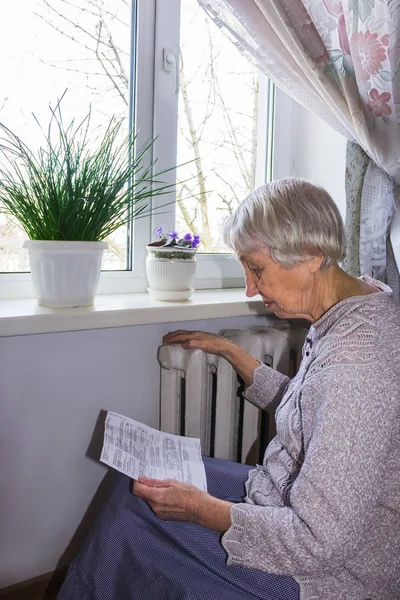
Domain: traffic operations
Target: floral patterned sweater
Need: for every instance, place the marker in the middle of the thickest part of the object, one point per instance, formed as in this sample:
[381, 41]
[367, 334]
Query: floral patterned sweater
[324, 507]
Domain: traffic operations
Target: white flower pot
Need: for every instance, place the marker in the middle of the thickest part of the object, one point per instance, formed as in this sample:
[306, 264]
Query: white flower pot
[170, 276]
[65, 274]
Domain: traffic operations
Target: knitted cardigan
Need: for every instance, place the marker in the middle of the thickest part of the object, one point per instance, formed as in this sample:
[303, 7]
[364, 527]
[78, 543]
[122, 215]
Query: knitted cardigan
[324, 507]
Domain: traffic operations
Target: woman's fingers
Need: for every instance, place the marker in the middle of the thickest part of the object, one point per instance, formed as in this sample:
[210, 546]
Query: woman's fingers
[145, 491]
[209, 342]
[170, 500]
[181, 334]
[150, 482]
[152, 494]
[188, 339]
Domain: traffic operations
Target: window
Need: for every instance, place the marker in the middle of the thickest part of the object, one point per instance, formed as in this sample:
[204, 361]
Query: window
[223, 110]
[52, 47]
[165, 68]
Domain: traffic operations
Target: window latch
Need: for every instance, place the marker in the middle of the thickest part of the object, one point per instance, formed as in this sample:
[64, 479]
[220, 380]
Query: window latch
[171, 65]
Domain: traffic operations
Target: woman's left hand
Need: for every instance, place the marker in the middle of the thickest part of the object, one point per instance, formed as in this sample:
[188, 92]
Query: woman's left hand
[170, 499]
[177, 501]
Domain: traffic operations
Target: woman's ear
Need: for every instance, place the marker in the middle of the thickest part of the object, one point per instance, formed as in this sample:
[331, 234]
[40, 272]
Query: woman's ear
[314, 264]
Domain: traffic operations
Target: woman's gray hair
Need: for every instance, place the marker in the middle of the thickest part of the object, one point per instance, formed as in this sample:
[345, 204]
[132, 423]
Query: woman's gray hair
[295, 219]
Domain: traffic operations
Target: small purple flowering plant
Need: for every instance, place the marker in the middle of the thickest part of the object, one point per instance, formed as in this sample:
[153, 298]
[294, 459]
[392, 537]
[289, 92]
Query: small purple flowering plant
[173, 240]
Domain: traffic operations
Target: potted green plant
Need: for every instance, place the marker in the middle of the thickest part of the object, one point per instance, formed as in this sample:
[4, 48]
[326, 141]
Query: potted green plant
[69, 196]
[171, 265]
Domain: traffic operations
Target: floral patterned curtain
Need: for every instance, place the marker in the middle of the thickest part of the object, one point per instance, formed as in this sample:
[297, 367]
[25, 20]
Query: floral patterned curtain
[341, 60]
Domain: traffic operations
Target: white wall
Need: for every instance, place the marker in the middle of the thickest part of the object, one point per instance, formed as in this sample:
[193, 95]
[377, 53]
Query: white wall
[52, 389]
[319, 154]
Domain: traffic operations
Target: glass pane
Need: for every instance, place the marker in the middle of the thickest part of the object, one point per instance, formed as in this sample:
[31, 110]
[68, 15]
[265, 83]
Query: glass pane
[47, 47]
[222, 127]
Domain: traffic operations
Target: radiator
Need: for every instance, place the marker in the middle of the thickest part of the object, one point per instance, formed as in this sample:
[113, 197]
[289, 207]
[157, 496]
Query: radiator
[202, 396]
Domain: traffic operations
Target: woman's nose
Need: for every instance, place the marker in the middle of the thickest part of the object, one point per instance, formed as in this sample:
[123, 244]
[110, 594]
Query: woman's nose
[251, 287]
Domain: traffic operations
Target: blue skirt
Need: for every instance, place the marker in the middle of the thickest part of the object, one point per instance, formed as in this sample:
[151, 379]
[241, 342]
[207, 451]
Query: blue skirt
[132, 555]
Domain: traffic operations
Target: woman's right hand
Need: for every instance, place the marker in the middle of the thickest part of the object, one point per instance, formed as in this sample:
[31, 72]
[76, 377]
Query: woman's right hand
[208, 342]
[241, 361]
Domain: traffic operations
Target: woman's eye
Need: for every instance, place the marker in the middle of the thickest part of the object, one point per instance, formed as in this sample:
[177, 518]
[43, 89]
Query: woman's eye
[256, 272]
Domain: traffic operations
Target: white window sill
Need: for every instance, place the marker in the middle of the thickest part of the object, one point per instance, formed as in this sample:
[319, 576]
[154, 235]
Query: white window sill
[24, 316]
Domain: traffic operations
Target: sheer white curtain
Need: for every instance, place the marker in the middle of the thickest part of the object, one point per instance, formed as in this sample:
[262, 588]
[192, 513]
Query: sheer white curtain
[341, 60]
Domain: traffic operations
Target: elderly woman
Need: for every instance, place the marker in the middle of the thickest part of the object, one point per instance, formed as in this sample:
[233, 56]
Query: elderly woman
[321, 516]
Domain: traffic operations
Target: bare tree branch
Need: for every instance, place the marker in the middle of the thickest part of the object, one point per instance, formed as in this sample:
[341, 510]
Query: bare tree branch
[102, 60]
[206, 232]
[104, 49]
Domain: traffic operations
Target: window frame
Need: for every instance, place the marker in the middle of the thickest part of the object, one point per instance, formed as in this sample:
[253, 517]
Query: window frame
[154, 109]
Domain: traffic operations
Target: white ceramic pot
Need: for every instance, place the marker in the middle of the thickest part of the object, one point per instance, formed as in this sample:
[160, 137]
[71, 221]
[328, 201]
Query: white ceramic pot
[65, 274]
[170, 272]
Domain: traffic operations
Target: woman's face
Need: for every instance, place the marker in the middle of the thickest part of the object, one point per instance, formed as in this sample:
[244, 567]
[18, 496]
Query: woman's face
[286, 292]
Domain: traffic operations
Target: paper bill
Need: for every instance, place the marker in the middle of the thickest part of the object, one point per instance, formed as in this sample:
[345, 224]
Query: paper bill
[136, 449]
